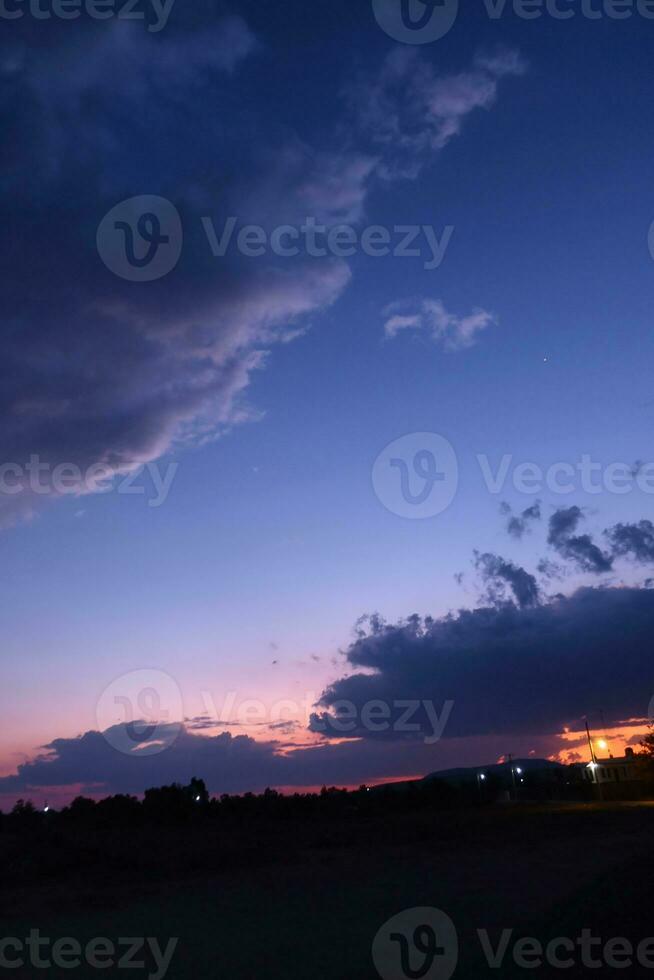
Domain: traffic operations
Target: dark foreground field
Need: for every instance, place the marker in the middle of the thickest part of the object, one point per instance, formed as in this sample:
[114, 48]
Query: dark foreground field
[305, 898]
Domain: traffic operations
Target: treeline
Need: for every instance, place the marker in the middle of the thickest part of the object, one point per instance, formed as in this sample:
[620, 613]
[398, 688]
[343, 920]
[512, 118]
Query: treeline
[178, 805]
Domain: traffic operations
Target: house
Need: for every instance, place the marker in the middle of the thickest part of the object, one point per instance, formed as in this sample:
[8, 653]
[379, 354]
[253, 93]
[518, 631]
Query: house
[622, 777]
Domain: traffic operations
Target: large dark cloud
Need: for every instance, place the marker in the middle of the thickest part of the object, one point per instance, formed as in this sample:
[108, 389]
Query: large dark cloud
[92, 762]
[98, 370]
[95, 369]
[509, 670]
[579, 549]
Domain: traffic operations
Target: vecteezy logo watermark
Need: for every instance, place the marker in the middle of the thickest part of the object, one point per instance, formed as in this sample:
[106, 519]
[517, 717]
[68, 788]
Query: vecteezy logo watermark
[156, 13]
[140, 713]
[417, 944]
[416, 21]
[650, 237]
[141, 239]
[416, 476]
[99, 953]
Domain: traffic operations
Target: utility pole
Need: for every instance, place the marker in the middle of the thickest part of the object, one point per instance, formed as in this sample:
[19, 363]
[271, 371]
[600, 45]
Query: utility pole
[590, 745]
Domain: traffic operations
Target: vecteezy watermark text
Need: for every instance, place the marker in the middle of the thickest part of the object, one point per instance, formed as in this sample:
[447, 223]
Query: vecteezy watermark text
[141, 713]
[564, 952]
[43, 478]
[425, 21]
[100, 953]
[154, 12]
[401, 716]
[585, 474]
[341, 241]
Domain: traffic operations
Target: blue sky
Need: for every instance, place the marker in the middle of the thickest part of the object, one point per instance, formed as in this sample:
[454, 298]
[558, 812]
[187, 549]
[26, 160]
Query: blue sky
[272, 541]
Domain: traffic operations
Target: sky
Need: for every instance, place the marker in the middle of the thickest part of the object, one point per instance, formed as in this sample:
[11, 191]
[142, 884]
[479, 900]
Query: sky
[221, 450]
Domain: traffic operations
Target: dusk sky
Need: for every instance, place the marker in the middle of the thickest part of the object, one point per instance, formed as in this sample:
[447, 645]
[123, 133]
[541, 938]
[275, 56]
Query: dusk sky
[253, 397]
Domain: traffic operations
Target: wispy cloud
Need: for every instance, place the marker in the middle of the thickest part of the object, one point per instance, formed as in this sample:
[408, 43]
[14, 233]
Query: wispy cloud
[412, 113]
[429, 316]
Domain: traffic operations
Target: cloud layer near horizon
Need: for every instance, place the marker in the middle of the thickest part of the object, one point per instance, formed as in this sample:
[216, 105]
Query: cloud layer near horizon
[517, 679]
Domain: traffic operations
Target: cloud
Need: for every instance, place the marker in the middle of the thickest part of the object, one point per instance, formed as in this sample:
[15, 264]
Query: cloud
[550, 570]
[518, 524]
[99, 372]
[451, 331]
[635, 541]
[91, 761]
[579, 549]
[508, 670]
[498, 573]
[88, 765]
[96, 371]
[412, 113]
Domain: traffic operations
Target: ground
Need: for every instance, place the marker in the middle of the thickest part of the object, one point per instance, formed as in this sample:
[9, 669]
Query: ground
[304, 900]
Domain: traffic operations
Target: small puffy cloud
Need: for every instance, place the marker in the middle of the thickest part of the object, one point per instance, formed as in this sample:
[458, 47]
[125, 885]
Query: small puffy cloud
[518, 524]
[576, 548]
[451, 331]
[635, 541]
